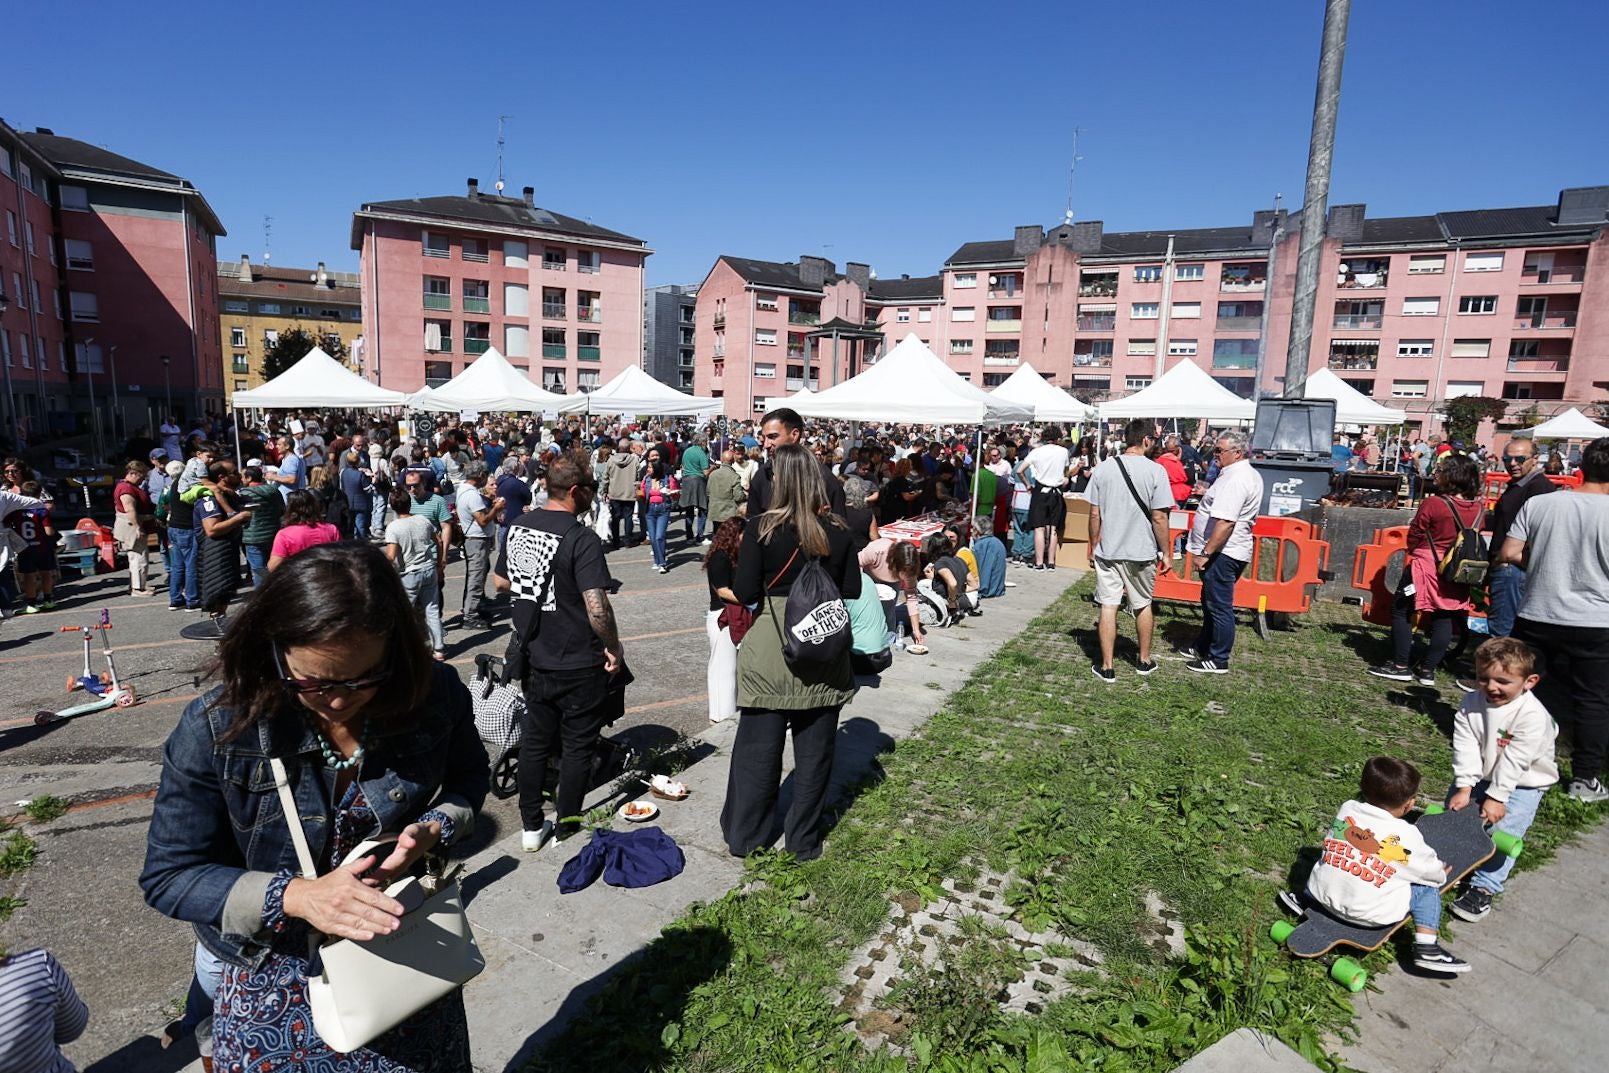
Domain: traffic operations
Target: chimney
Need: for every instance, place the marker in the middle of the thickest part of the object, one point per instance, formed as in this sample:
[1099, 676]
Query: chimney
[1345, 223]
[1027, 239]
[859, 274]
[813, 271]
[1087, 236]
[530, 197]
[44, 130]
[474, 188]
[1264, 222]
[1583, 205]
[321, 277]
[245, 268]
[904, 275]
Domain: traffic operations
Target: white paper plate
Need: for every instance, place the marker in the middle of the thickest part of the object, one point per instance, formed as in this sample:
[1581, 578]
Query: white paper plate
[653, 810]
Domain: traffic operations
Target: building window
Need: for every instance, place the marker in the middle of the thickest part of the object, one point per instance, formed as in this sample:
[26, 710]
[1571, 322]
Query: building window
[588, 346]
[23, 351]
[960, 346]
[923, 316]
[1142, 347]
[1483, 262]
[960, 314]
[587, 261]
[516, 300]
[55, 298]
[28, 233]
[438, 336]
[475, 250]
[1427, 264]
[553, 345]
[1147, 311]
[1461, 389]
[765, 370]
[1472, 348]
[1524, 348]
[1421, 307]
[553, 259]
[1136, 383]
[516, 254]
[5, 340]
[1234, 354]
[477, 296]
[1147, 273]
[1181, 348]
[553, 380]
[237, 337]
[438, 292]
[765, 302]
[1186, 310]
[236, 305]
[1416, 348]
[588, 380]
[11, 227]
[553, 300]
[329, 314]
[17, 294]
[995, 379]
[268, 308]
[1189, 272]
[301, 311]
[86, 309]
[73, 198]
[589, 307]
[1408, 389]
[765, 337]
[902, 316]
[965, 279]
[1478, 303]
[436, 245]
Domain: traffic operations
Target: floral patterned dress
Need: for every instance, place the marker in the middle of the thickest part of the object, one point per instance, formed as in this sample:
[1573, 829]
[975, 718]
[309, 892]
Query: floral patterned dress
[262, 1023]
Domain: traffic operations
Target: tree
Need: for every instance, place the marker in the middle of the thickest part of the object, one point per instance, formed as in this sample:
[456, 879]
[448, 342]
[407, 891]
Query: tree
[295, 344]
[1465, 414]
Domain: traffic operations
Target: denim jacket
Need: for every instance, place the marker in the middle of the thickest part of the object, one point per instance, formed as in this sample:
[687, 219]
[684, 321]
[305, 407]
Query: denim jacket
[218, 833]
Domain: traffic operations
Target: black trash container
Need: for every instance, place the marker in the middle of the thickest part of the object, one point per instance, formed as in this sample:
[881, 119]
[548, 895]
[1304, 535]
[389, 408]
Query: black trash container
[1290, 447]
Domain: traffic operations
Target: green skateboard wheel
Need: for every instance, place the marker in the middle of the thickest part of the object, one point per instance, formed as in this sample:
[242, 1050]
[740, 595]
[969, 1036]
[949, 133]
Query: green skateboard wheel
[1281, 930]
[1434, 810]
[1507, 844]
[1349, 974]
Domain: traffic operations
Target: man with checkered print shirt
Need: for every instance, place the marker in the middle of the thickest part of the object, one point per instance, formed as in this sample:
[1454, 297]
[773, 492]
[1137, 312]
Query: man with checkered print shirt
[554, 567]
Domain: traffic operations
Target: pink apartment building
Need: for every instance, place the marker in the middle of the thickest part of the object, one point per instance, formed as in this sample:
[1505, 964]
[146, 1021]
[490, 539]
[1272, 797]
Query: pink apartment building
[108, 267]
[446, 278]
[1510, 303]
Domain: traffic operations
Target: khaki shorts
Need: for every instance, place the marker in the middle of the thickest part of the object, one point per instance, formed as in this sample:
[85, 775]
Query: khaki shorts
[1113, 577]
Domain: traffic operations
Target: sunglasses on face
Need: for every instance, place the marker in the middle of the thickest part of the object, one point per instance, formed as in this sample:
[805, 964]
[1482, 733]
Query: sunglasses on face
[1516, 460]
[323, 687]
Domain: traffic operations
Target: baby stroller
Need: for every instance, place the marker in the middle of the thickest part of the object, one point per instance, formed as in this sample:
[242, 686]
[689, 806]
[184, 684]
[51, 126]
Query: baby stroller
[499, 720]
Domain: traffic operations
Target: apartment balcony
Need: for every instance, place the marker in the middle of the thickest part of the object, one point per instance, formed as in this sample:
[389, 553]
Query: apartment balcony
[1241, 324]
[438, 301]
[1567, 277]
[436, 381]
[589, 314]
[1092, 361]
[1106, 289]
[1551, 321]
[1539, 366]
[1355, 360]
[473, 255]
[995, 360]
[240, 368]
[477, 346]
[477, 305]
[796, 352]
[554, 350]
[1358, 321]
[444, 345]
[589, 353]
[552, 310]
[1003, 294]
[588, 268]
[433, 251]
[1104, 323]
[796, 316]
[553, 266]
[1242, 286]
[720, 321]
[1003, 326]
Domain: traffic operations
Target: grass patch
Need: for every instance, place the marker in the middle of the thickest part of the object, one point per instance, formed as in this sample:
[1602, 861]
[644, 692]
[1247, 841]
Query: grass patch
[45, 808]
[17, 854]
[1211, 792]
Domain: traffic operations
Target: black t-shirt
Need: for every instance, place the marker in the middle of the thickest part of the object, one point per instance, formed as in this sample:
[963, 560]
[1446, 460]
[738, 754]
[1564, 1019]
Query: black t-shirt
[891, 505]
[544, 542]
[957, 568]
[760, 490]
[719, 570]
[760, 567]
[860, 527]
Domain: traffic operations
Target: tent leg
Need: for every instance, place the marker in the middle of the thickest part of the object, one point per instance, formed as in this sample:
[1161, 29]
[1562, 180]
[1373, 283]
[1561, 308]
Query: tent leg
[234, 415]
[977, 465]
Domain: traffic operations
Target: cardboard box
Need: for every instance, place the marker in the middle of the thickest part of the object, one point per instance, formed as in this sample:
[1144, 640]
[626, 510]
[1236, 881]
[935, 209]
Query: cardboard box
[1075, 526]
[1073, 555]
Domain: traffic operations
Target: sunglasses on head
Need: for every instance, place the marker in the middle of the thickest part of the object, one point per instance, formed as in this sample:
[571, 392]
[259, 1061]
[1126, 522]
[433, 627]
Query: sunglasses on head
[325, 686]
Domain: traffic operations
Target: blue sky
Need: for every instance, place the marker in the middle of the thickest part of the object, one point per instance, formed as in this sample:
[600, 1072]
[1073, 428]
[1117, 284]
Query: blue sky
[881, 132]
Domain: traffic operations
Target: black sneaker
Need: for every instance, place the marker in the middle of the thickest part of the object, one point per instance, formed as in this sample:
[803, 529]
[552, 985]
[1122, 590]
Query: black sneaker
[1105, 674]
[1432, 958]
[176, 607]
[1396, 672]
[1291, 901]
[1472, 905]
[1145, 667]
[1424, 677]
[1466, 685]
[1187, 651]
[1589, 790]
[1206, 666]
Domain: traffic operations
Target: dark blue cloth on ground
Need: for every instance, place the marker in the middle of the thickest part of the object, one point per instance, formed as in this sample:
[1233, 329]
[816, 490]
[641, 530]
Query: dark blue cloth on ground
[637, 858]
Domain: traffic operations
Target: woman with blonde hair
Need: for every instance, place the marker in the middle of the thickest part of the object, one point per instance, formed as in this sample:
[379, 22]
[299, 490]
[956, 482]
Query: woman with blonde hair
[774, 698]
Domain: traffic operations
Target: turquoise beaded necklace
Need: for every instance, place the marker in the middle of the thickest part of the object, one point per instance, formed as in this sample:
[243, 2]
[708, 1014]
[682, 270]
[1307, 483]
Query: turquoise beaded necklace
[332, 756]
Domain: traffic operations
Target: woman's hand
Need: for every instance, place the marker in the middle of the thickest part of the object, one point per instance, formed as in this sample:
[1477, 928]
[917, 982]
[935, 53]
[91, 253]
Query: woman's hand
[341, 904]
[416, 840]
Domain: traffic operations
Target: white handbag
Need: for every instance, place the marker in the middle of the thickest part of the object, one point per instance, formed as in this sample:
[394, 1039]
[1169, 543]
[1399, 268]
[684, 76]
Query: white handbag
[368, 988]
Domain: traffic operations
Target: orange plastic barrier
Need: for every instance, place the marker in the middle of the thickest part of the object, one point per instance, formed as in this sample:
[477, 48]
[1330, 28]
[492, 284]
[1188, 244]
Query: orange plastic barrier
[1369, 572]
[105, 544]
[1496, 482]
[1286, 561]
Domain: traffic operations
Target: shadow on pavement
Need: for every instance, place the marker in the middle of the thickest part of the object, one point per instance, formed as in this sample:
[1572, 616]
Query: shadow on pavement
[145, 1055]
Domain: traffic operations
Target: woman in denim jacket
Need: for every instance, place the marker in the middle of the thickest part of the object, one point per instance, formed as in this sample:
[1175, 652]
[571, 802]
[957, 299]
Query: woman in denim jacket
[326, 669]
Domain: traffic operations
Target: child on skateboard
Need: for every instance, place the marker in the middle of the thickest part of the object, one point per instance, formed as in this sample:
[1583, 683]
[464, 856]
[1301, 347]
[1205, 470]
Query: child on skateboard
[1503, 758]
[1376, 867]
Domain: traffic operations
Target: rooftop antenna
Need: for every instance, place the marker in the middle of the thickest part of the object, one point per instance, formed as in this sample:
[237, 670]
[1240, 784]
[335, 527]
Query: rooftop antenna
[500, 121]
[1072, 172]
[268, 239]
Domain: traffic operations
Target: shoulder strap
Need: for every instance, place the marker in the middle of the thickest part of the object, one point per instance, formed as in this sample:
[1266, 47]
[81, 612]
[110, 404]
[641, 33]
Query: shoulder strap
[1145, 511]
[293, 819]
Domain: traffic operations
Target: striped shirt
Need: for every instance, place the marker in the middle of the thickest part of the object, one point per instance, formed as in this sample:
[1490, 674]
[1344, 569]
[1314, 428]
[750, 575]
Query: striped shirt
[39, 1011]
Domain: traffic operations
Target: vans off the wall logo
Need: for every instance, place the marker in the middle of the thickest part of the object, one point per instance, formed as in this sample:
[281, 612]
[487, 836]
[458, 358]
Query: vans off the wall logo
[824, 621]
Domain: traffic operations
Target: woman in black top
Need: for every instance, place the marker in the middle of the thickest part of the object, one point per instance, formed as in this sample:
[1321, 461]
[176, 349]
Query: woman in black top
[774, 698]
[719, 567]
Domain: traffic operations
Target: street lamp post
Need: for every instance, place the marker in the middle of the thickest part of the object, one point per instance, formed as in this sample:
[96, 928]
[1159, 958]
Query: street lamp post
[11, 399]
[94, 415]
[167, 385]
[117, 409]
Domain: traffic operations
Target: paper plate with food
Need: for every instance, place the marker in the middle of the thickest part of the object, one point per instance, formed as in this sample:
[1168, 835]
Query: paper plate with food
[638, 811]
[666, 787]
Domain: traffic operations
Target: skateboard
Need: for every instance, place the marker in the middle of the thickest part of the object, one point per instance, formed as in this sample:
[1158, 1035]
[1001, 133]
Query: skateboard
[1459, 839]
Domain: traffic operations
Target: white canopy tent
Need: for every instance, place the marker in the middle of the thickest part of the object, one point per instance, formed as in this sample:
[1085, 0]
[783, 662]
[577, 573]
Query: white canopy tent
[490, 384]
[1352, 407]
[803, 395]
[635, 392]
[1570, 425]
[910, 383]
[317, 380]
[1049, 402]
[1183, 391]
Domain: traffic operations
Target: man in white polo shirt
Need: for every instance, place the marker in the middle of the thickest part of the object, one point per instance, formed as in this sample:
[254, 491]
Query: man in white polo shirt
[1221, 542]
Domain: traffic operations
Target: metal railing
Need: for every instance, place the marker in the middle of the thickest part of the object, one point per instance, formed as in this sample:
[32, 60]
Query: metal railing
[1242, 286]
[438, 301]
[588, 268]
[553, 350]
[1355, 321]
[1239, 324]
[473, 255]
[589, 353]
[552, 310]
[431, 251]
[444, 347]
[553, 266]
[1355, 361]
[1098, 290]
[1097, 324]
[477, 346]
[1539, 365]
[799, 317]
[477, 305]
[1091, 361]
[1003, 326]
[589, 314]
[1545, 321]
[720, 320]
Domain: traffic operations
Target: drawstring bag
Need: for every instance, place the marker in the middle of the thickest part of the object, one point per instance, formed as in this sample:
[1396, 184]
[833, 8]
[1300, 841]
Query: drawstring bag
[815, 623]
[637, 858]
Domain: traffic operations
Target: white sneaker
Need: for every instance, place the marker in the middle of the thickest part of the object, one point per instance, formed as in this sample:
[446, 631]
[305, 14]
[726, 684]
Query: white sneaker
[533, 841]
[704, 543]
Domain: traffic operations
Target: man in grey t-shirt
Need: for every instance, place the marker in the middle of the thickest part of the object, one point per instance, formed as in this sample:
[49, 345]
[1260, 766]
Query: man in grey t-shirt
[1562, 540]
[1129, 542]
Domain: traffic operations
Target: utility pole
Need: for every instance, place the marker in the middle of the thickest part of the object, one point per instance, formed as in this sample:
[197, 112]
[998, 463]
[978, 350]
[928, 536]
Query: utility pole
[1320, 155]
[1276, 234]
